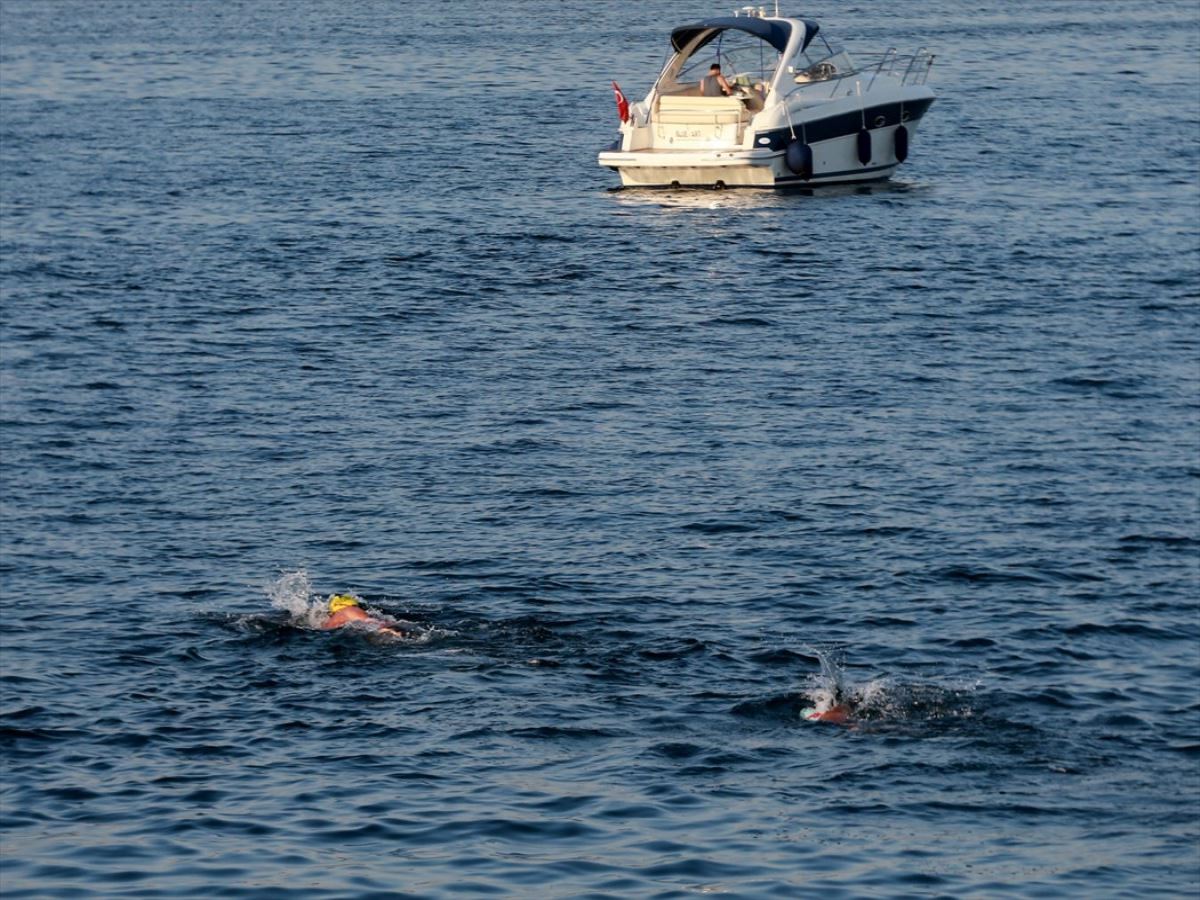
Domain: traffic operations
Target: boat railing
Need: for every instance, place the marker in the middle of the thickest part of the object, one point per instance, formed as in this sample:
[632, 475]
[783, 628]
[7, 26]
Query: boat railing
[918, 68]
[887, 60]
[910, 68]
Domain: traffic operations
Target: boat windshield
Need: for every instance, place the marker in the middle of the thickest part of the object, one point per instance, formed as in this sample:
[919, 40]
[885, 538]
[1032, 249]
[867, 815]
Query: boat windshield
[745, 60]
[821, 60]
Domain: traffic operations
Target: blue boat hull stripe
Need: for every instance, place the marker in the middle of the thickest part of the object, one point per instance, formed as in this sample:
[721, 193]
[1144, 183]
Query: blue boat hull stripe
[844, 124]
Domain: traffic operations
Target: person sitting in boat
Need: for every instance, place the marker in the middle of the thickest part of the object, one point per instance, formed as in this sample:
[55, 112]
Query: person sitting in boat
[345, 608]
[714, 84]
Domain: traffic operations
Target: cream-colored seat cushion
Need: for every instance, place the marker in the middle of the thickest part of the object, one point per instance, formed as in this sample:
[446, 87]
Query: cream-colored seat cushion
[699, 110]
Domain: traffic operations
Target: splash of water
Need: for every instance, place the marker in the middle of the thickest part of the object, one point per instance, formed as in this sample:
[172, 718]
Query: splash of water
[883, 698]
[827, 689]
[877, 695]
[830, 688]
[292, 593]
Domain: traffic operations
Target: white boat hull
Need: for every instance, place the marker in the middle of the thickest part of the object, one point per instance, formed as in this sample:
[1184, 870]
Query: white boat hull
[835, 160]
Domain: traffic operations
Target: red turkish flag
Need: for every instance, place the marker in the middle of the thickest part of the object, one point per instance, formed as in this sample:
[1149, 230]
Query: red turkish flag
[622, 103]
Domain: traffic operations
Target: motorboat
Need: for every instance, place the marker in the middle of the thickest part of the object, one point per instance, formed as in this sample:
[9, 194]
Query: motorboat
[752, 100]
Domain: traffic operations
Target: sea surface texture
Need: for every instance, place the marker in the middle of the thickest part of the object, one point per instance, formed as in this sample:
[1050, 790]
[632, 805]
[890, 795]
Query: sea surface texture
[308, 297]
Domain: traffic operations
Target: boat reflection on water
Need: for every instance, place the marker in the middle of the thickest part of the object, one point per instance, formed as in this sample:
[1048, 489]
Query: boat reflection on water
[698, 198]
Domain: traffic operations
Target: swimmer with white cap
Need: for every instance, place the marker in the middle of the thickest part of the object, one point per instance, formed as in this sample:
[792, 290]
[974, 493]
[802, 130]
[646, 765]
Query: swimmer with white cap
[837, 714]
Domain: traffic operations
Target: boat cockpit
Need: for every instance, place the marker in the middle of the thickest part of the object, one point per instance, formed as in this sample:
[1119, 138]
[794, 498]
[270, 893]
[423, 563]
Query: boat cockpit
[746, 59]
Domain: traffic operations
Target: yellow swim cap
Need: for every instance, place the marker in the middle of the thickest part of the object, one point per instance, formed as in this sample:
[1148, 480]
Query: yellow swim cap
[341, 601]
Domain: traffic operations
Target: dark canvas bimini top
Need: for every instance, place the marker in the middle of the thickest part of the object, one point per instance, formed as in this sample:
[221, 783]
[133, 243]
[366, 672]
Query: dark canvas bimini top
[774, 32]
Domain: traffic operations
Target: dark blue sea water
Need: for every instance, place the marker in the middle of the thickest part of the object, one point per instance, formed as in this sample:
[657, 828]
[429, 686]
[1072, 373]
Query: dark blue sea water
[302, 297]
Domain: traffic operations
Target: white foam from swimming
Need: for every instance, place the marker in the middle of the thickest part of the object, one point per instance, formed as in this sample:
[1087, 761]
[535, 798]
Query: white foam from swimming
[827, 689]
[292, 593]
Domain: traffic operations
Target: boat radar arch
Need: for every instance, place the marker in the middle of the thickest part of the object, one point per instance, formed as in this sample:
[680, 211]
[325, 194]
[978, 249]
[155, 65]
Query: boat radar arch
[760, 11]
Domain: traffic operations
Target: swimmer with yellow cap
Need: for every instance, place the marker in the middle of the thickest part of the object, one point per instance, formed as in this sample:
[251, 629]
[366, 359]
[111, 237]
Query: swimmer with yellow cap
[345, 608]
